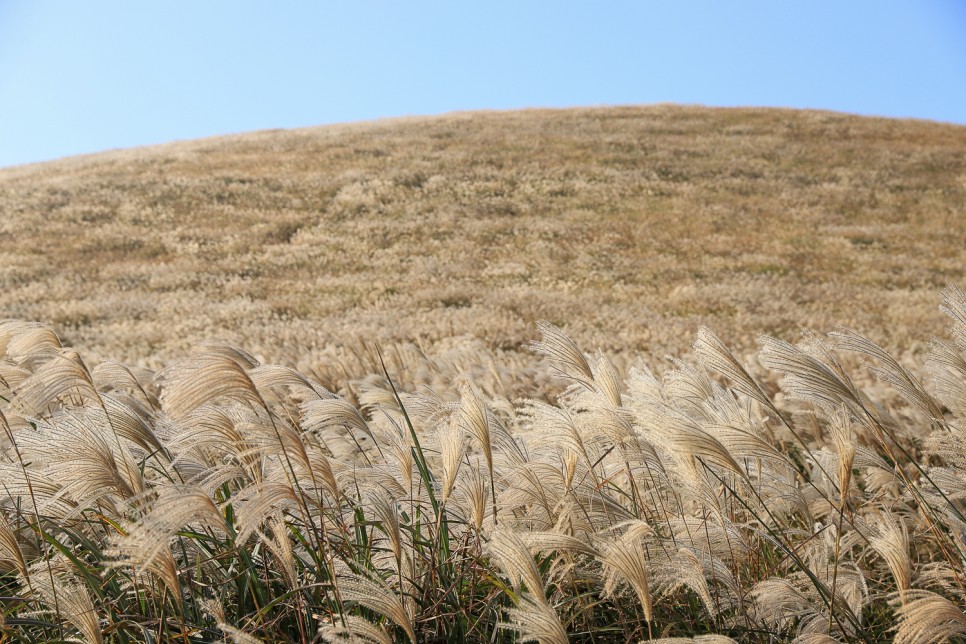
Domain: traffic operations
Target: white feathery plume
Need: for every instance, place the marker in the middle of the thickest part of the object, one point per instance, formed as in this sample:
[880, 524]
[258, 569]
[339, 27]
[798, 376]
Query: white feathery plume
[564, 354]
[63, 378]
[954, 305]
[214, 608]
[715, 355]
[928, 618]
[947, 366]
[257, 502]
[175, 507]
[606, 379]
[11, 556]
[58, 586]
[335, 418]
[280, 546]
[216, 374]
[535, 621]
[890, 539]
[357, 630]
[625, 562]
[374, 594]
[111, 375]
[806, 377]
[19, 338]
[511, 554]
[890, 371]
[451, 440]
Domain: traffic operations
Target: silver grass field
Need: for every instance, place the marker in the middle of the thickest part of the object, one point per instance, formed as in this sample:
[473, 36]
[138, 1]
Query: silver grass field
[793, 499]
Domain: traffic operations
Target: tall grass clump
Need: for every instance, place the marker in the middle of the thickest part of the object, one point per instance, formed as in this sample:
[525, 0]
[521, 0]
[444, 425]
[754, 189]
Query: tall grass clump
[221, 498]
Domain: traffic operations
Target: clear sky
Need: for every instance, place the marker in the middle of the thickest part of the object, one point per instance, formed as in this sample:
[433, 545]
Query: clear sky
[81, 76]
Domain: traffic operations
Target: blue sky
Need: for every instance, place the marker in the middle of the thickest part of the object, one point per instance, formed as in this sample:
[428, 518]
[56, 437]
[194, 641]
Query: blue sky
[83, 76]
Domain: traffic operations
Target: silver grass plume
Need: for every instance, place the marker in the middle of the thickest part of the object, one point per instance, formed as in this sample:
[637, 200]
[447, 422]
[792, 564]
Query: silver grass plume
[64, 378]
[374, 594]
[451, 444]
[626, 562]
[715, 355]
[947, 366]
[954, 305]
[175, 507]
[19, 338]
[564, 354]
[475, 420]
[214, 608]
[806, 377]
[217, 373]
[890, 371]
[535, 621]
[928, 618]
[111, 375]
[512, 555]
[70, 596]
[334, 420]
[11, 556]
[357, 630]
[890, 539]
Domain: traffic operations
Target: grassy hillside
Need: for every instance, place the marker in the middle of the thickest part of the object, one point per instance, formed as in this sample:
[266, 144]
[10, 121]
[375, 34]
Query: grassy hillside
[729, 497]
[628, 227]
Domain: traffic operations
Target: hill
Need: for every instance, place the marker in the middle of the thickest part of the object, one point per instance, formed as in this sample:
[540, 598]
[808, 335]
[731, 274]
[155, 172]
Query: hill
[789, 497]
[629, 227]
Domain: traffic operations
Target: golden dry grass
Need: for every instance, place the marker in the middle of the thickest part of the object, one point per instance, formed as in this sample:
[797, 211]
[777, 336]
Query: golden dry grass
[223, 496]
[532, 493]
[629, 227]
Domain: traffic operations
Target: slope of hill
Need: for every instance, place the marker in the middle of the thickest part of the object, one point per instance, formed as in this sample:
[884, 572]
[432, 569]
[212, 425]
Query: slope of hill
[221, 496]
[629, 227]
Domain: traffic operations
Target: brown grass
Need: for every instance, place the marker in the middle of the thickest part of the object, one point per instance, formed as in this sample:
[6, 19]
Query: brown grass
[628, 227]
